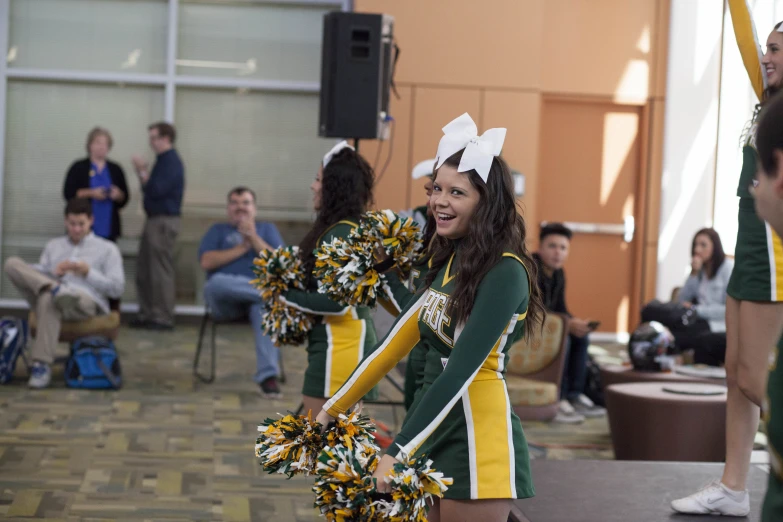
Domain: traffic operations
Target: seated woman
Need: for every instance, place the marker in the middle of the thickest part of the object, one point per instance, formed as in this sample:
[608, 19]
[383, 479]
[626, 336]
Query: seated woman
[705, 292]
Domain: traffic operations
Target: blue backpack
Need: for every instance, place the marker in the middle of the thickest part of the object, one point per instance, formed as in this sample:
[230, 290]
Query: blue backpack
[13, 340]
[93, 364]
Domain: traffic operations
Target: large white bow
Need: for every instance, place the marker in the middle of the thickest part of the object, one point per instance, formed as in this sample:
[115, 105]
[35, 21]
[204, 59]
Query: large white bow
[337, 148]
[462, 133]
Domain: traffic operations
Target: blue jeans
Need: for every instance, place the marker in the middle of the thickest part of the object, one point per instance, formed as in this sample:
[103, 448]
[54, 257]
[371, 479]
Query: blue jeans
[575, 369]
[231, 297]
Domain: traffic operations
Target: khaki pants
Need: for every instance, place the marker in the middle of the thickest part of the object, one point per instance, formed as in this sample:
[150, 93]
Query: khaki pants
[155, 277]
[71, 304]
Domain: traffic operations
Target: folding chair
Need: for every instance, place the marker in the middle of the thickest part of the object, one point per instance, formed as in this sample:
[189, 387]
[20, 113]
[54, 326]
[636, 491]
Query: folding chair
[207, 319]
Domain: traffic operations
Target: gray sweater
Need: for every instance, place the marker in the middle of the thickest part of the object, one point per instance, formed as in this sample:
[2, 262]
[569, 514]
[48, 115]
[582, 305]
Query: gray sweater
[106, 278]
[710, 294]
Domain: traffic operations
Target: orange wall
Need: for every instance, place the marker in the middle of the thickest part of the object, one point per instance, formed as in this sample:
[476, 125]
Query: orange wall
[499, 59]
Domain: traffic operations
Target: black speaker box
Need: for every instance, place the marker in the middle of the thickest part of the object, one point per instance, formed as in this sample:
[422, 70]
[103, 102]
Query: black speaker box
[356, 69]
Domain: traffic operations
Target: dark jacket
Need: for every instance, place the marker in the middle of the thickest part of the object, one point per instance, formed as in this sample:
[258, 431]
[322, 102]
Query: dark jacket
[78, 177]
[166, 185]
[552, 288]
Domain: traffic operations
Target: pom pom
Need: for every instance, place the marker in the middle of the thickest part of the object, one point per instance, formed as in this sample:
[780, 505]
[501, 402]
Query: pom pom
[277, 271]
[413, 484]
[345, 268]
[289, 446]
[354, 431]
[345, 486]
[286, 325]
[399, 236]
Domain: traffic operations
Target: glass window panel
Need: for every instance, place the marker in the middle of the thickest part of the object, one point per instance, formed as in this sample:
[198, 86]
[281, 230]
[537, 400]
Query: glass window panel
[246, 40]
[47, 125]
[267, 141]
[90, 35]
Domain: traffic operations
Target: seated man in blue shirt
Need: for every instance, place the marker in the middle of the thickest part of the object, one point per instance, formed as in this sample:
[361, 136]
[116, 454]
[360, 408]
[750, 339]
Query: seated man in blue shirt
[226, 253]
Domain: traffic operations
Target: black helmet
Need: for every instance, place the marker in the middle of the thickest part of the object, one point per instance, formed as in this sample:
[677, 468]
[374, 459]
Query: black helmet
[649, 345]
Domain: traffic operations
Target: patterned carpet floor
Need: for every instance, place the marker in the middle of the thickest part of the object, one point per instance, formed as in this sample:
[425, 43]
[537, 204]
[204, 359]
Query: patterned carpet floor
[167, 447]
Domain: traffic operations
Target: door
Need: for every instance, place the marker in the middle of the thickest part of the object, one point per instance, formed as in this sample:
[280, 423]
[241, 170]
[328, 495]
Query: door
[590, 173]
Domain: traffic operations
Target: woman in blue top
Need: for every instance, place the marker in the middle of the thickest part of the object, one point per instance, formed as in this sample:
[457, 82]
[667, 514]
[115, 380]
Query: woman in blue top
[102, 182]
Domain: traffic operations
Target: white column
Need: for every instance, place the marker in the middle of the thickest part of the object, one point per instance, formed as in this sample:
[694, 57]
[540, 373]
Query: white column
[5, 9]
[690, 130]
[171, 61]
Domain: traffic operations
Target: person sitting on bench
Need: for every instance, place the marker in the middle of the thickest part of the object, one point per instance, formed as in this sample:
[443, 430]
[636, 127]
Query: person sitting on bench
[73, 281]
[705, 292]
[554, 243]
[226, 253]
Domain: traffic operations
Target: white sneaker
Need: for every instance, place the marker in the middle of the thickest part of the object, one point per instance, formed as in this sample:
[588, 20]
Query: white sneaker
[714, 499]
[40, 375]
[566, 414]
[586, 407]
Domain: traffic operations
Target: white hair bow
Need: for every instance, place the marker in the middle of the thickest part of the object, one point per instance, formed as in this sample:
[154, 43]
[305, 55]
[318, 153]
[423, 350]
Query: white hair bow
[337, 148]
[462, 133]
[423, 168]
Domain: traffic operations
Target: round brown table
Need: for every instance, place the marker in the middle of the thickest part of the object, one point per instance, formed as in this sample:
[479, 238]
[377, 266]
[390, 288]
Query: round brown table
[618, 374]
[648, 422]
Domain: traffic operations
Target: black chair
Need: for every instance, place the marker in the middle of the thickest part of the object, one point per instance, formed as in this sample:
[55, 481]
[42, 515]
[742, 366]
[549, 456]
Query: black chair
[207, 319]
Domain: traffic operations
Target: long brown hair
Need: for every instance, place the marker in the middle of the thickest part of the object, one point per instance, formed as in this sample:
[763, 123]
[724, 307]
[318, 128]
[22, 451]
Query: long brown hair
[496, 227]
[346, 193]
[718, 255]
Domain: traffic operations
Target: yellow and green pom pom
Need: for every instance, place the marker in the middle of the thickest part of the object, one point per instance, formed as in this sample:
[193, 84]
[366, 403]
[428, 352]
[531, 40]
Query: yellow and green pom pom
[286, 325]
[399, 236]
[413, 483]
[290, 445]
[344, 488]
[345, 268]
[276, 272]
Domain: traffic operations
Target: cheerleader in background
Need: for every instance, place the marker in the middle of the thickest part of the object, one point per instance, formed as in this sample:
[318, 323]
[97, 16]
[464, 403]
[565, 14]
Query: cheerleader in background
[342, 335]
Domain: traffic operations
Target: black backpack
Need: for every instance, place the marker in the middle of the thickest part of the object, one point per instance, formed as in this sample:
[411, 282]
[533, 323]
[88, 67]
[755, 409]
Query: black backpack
[593, 388]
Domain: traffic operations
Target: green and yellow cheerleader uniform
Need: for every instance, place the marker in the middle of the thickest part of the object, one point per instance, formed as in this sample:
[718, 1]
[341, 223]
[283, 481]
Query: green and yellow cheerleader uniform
[462, 417]
[341, 336]
[772, 510]
[758, 266]
[399, 295]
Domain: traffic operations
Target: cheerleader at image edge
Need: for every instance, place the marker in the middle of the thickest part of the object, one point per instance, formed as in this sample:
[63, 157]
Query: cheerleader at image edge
[768, 196]
[476, 300]
[754, 307]
[341, 335]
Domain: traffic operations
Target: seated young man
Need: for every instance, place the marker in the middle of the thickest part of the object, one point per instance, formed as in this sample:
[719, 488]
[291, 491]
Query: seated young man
[226, 253]
[74, 280]
[555, 240]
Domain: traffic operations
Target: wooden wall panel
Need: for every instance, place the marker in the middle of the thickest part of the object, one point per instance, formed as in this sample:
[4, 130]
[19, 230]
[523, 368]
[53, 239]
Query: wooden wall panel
[447, 42]
[392, 186]
[598, 47]
[520, 113]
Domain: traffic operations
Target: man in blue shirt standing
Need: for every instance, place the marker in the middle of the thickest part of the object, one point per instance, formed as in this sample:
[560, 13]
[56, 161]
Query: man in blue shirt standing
[226, 253]
[163, 189]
